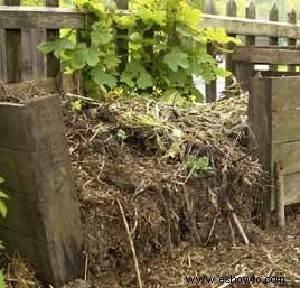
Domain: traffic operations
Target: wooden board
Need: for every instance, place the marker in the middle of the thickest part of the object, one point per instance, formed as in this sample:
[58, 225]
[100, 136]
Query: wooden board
[45, 213]
[285, 126]
[291, 189]
[266, 55]
[286, 93]
[289, 153]
[55, 18]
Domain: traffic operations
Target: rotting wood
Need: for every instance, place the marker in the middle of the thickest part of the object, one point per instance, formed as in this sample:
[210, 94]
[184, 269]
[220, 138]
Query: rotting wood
[279, 193]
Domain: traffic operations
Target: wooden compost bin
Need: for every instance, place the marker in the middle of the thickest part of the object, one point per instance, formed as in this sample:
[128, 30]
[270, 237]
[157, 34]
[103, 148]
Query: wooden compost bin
[274, 116]
[43, 222]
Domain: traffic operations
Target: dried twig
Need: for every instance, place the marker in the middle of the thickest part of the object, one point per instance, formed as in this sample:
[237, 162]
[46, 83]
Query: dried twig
[135, 260]
[238, 224]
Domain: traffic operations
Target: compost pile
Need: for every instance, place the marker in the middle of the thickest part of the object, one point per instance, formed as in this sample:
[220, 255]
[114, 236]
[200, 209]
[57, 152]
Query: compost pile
[176, 177]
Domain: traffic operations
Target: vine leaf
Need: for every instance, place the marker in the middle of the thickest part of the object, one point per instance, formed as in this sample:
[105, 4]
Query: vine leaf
[175, 59]
[102, 78]
[101, 34]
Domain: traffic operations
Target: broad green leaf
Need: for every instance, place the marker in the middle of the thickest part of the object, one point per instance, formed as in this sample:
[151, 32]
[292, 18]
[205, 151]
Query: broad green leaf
[60, 44]
[149, 16]
[145, 80]
[92, 58]
[101, 34]
[126, 21]
[126, 78]
[175, 59]
[111, 61]
[1, 180]
[102, 78]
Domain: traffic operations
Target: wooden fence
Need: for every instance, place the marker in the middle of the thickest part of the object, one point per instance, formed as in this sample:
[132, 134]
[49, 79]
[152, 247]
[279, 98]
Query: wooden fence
[23, 28]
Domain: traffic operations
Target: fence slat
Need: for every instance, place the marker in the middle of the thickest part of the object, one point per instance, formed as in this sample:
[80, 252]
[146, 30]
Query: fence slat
[274, 16]
[3, 58]
[13, 49]
[250, 14]
[122, 46]
[210, 89]
[33, 62]
[245, 70]
[292, 15]
[231, 11]
[53, 66]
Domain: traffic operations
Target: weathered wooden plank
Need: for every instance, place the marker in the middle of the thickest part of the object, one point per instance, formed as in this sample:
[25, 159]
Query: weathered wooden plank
[231, 11]
[13, 51]
[56, 213]
[289, 153]
[53, 65]
[285, 126]
[259, 120]
[274, 16]
[55, 18]
[3, 58]
[41, 17]
[292, 15]
[291, 189]
[285, 93]
[211, 88]
[33, 64]
[267, 55]
[250, 14]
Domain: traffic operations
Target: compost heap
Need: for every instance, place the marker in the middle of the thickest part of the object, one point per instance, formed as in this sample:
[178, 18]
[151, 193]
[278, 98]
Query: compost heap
[177, 177]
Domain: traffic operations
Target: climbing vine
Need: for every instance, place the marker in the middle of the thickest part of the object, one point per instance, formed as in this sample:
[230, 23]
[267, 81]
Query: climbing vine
[165, 43]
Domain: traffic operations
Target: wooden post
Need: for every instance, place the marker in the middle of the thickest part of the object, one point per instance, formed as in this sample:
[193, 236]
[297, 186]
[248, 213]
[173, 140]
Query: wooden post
[43, 223]
[12, 63]
[279, 193]
[274, 16]
[292, 15]
[210, 89]
[231, 10]
[53, 65]
[122, 46]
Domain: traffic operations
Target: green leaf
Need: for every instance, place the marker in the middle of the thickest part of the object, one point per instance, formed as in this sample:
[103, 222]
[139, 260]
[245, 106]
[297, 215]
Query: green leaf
[102, 78]
[145, 80]
[77, 106]
[175, 59]
[3, 209]
[2, 283]
[1, 180]
[3, 195]
[150, 16]
[101, 34]
[124, 22]
[92, 58]
[111, 61]
[59, 45]
[127, 79]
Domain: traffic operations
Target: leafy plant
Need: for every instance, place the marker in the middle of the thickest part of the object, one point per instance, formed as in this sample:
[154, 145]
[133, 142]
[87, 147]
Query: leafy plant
[197, 165]
[3, 213]
[166, 47]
